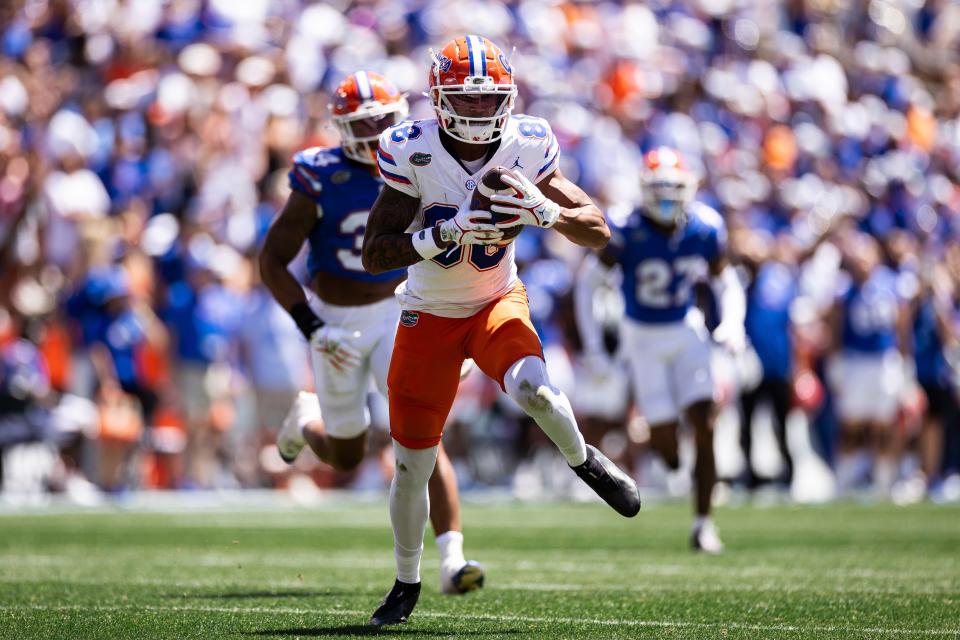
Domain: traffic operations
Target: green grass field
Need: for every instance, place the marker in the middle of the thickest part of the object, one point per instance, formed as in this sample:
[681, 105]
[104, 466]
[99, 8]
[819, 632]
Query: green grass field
[554, 571]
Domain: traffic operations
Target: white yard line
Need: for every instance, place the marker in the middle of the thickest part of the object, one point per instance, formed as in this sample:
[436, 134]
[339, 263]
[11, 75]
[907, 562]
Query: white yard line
[322, 560]
[363, 562]
[494, 618]
[308, 585]
[766, 587]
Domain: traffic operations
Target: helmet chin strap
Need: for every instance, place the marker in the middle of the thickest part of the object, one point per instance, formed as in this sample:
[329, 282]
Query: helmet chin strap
[360, 151]
[483, 132]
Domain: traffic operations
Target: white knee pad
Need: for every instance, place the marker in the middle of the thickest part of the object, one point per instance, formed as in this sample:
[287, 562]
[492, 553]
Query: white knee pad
[414, 466]
[527, 384]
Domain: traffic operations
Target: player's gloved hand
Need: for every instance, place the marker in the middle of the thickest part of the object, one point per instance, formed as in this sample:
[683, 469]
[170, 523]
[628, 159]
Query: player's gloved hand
[334, 343]
[470, 226]
[530, 207]
[730, 335]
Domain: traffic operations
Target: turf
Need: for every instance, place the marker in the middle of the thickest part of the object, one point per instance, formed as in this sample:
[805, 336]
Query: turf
[553, 571]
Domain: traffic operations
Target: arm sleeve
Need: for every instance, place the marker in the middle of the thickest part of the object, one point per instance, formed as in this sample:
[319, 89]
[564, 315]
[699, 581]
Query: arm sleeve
[591, 275]
[731, 300]
[395, 170]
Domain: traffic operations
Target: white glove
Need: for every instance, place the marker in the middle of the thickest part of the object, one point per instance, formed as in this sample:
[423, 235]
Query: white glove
[333, 343]
[732, 303]
[732, 336]
[531, 208]
[470, 226]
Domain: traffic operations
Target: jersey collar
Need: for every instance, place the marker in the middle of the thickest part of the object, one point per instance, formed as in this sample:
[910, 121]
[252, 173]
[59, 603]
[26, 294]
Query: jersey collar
[447, 143]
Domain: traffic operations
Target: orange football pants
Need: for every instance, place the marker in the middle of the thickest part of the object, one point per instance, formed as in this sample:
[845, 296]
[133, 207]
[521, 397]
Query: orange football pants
[429, 351]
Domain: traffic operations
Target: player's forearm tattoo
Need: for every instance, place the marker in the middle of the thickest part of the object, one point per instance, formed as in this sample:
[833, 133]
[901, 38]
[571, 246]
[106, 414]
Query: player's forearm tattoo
[394, 251]
[386, 245]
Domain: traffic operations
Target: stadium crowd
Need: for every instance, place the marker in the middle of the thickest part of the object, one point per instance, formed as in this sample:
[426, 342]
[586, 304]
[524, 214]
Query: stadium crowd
[144, 150]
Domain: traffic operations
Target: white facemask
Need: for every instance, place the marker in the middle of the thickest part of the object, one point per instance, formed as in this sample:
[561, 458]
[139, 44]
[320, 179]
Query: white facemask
[473, 129]
[358, 148]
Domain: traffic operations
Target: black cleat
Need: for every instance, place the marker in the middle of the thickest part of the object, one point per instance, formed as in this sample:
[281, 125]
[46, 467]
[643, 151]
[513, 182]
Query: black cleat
[610, 483]
[468, 578]
[398, 605]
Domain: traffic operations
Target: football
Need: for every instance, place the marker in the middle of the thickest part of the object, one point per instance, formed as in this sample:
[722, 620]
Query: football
[490, 184]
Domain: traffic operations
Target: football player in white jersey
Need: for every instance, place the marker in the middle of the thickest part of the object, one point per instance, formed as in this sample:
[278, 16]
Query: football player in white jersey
[350, 316]
[462, 298]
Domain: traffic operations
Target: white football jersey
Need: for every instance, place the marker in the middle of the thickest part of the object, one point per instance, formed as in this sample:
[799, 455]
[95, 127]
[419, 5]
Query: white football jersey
[461, 281]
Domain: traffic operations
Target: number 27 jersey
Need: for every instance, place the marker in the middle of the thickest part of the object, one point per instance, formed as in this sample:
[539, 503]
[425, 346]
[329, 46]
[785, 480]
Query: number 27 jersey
[413, 160]
[344, 194]
[659, 270]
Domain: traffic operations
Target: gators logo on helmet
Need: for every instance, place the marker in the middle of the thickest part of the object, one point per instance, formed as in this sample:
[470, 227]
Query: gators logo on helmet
[444, 63]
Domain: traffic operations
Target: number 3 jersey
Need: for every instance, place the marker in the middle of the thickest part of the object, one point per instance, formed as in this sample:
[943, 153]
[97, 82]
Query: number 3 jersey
[462, 280]
[344, 193]
[659, 269]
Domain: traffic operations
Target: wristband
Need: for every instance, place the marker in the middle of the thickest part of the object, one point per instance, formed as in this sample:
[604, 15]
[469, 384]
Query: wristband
[550, 213]
[425, 245]
[307, 321]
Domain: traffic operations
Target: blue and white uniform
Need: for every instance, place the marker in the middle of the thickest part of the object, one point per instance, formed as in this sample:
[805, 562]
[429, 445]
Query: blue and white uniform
[869, 378]
[344, 194]
[663, 337]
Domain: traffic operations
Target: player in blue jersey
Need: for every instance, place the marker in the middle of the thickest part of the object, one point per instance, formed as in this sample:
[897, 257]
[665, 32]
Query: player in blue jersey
[870, 322]
[773, 288]
[664, 248]
[350, 316]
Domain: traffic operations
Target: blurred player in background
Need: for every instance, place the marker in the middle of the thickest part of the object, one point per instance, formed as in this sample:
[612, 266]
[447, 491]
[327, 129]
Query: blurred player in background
[664, 248]
[870, 321]
[933, 334]
[462, 297]
[351, 322]
[770, 263]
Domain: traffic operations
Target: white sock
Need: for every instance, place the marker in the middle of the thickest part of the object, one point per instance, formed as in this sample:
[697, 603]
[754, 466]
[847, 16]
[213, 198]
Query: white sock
[450, 545]
[700, 521]
[408, 563]
[526, 382]
[410, 507]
